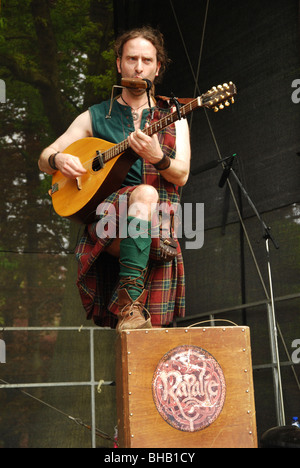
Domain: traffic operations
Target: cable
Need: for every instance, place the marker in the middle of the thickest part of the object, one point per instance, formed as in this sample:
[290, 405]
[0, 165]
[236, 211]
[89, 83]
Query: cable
[63, 251]
[78, 421]
[196, 77]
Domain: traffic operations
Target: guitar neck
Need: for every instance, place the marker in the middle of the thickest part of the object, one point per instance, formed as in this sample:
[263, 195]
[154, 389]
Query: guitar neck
[216, 98]
[171, 118]
[154, 128]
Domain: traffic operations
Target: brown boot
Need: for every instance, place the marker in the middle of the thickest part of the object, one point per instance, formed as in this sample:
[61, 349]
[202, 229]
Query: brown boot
[131, 316]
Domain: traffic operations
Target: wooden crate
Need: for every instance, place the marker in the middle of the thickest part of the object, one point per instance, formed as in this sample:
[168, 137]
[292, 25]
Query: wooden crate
[185, 387]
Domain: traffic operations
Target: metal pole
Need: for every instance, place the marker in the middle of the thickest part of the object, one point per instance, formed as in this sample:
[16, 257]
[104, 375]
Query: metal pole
[274, 349]
[93, 407]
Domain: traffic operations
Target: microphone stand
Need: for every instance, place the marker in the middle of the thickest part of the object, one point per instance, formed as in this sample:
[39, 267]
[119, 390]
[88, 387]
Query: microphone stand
[277, 381]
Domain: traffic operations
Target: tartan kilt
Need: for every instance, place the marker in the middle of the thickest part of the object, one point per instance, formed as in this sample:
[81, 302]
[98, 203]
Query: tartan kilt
[98, 276]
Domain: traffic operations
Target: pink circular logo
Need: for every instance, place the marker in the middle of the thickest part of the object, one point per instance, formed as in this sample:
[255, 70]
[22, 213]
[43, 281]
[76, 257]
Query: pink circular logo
[189, 388]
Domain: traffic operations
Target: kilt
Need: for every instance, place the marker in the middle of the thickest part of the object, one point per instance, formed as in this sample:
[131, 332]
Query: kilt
[98, 277]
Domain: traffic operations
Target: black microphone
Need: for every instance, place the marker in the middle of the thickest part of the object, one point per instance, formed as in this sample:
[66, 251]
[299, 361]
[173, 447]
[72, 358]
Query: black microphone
[136, 83]
[226, 171]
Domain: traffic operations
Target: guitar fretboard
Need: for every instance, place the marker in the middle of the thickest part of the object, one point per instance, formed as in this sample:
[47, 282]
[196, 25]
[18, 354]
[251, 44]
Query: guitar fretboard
[154, 128]
[212, 99]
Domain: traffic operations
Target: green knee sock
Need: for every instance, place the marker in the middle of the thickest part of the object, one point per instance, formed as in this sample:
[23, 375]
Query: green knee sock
[134, 256]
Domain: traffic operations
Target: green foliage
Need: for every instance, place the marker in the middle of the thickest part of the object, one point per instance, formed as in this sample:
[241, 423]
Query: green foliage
[56, 59]
[54, 46]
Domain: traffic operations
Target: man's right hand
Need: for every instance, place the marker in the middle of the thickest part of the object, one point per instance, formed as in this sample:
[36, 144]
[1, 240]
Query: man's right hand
[70, 166]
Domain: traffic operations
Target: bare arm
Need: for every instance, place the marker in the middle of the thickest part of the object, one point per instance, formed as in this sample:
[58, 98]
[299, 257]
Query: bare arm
[149, 149]
[69, 165]
[179, 170]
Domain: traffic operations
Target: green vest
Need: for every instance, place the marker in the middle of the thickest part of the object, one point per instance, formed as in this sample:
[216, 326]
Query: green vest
[116, 129]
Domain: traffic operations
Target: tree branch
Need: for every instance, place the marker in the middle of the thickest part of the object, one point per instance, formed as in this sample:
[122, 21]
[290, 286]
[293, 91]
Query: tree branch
[26, 74]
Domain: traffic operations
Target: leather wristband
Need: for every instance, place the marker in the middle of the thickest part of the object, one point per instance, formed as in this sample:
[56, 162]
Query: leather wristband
[163, 164]
[51, 161]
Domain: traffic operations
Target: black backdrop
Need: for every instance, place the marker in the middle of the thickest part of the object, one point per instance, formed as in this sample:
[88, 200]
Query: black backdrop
[257, 47]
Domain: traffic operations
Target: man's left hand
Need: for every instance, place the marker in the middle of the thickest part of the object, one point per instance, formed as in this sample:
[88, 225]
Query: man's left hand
[145, 146]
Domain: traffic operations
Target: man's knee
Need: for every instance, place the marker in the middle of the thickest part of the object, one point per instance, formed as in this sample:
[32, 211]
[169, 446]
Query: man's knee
[142, 200]
[144, 193]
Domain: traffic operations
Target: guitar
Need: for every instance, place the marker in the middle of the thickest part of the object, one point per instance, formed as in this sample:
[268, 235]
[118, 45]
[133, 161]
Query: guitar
[107, 164]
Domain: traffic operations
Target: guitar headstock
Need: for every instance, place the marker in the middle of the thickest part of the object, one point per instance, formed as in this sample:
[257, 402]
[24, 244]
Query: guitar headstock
[219, 97]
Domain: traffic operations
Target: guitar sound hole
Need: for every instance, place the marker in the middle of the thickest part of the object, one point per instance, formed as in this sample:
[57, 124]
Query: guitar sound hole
[97, 164]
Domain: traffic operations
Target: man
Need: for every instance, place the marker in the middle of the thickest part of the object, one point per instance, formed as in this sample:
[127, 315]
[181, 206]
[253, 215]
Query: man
[148, 293]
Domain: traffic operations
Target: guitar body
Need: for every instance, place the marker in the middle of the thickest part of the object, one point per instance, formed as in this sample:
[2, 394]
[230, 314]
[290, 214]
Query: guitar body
[78, 199]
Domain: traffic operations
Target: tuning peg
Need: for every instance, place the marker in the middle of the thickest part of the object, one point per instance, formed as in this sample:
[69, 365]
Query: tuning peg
[226, 85]
[227, 103]
[220, 87]
[232, 100]
[221, 106]
[216, 109]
